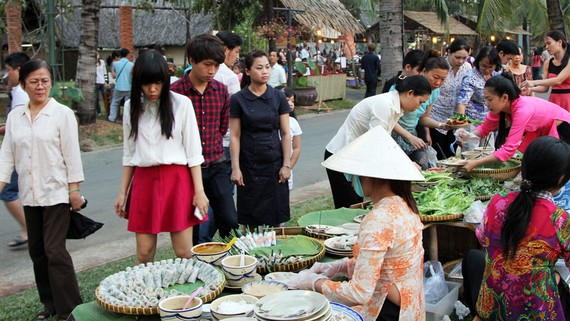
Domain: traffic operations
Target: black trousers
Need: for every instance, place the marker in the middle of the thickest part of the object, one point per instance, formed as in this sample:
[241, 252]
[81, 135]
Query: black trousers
[53, 268]
[389, 312]
[441, 143]
[342, 191]
[219, 190]
[370, 87]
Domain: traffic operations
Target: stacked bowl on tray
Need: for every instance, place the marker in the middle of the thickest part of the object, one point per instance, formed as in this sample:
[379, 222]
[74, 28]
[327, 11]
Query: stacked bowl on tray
[340, 245]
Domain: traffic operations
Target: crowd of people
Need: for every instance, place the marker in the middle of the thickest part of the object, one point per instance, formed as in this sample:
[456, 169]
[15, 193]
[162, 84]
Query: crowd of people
[227, 127]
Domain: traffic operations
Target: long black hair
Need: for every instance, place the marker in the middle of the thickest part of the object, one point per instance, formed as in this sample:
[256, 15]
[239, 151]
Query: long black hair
[544, 167]
[249, 58]
[151, 67]
[500, 85]
[404, 190]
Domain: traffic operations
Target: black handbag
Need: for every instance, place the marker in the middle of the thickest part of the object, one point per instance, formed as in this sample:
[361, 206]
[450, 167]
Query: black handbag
[81, 226]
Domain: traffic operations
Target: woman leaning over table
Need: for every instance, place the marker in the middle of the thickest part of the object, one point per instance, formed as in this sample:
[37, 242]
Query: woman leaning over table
[406, 131]
[380, 110]
[161, 162]
[261, 159]
[386, 273]
[42, 143]
[444, 107]
[523, 235]
[530, 118]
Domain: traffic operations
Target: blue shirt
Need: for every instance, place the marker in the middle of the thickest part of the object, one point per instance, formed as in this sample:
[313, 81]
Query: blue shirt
[411, 119]
[124, 72]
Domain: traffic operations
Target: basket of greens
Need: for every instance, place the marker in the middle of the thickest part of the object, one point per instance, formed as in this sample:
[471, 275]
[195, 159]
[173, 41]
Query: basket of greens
[442, 203]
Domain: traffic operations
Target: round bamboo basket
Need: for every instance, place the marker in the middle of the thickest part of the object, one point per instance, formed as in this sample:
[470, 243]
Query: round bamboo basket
[501, 174]
[154, 310]
[440, 218]
[293, 266]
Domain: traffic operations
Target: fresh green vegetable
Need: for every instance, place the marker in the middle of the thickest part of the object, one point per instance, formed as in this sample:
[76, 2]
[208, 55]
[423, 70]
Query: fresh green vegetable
[459, 117]
[436, 176]
[442, 200]
[478, 186]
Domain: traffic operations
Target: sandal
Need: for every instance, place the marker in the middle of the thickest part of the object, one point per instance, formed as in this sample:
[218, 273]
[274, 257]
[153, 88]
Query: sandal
[46, 314]
[17, 242]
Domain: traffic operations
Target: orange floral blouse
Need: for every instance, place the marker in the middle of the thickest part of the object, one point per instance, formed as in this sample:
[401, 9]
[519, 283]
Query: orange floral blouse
[388, 251]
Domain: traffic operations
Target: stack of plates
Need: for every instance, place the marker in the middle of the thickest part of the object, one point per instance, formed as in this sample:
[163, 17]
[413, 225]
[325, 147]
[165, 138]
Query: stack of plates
[340, 245]
[296, 305]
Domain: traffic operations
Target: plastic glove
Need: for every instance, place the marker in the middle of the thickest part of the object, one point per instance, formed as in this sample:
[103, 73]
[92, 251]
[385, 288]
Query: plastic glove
[461, 310]
[331, 270]
[305, 280]
[465, 136]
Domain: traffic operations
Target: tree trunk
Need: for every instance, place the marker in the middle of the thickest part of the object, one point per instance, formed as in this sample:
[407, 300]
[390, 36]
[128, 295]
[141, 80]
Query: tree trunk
[86, 62]
[555, 18]
[14, 25]
[269, 13]
[391, 25]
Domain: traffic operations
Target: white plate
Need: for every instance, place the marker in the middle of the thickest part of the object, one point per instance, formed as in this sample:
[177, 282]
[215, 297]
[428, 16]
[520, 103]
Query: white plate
[359, 218]
[343, 254]
[349, 313]
[321, 315]
[290, 305]
[329, 243]
[351, 226]
[281, 276]
[237, 286]
[325, 229]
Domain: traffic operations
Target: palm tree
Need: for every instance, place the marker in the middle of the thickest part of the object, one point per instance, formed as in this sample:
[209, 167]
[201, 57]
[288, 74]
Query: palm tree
[86, 62]
[555, 16]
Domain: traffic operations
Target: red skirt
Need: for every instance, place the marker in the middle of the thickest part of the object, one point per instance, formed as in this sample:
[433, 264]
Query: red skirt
[160, 200]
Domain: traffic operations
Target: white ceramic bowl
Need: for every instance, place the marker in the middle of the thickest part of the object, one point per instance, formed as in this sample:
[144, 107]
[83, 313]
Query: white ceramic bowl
[485, 150]
[171, 308]
[211, 252]
[259, 289]
[472, 154]
[234, 273]
[243, 311]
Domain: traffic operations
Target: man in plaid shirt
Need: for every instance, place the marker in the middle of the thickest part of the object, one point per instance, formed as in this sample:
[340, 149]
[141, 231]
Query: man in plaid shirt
[211, 102]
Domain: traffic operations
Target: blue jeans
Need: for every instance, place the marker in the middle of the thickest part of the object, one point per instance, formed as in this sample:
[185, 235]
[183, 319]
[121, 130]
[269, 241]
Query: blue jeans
[118, 95]
[99, 91]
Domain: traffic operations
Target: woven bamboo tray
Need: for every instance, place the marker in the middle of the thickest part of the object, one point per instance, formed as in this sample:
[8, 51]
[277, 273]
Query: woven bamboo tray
[293, 266]
[440, 218]
[500, 174]
[149, 311]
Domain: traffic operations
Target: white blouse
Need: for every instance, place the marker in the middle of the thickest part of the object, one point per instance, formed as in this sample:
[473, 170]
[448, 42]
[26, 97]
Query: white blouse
[152, 148]
[45, 153]
[380, 110]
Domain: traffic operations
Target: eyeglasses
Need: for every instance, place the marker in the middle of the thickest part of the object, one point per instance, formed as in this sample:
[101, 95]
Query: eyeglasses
[37, 82]
[485, 67]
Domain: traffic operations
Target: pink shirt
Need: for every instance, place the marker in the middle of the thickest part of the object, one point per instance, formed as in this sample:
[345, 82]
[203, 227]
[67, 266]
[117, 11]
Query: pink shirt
[530, 118]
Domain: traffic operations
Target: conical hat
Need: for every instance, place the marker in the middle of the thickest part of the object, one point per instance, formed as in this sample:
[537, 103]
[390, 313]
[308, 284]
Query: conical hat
[374, 154]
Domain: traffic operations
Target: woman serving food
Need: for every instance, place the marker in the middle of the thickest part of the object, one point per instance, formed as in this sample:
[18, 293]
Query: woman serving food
[530, 118]
[386, 273]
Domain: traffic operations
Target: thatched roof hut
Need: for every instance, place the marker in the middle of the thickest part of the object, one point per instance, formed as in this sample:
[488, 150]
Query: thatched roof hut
[429, 20]
[165, 25]
[325, 14]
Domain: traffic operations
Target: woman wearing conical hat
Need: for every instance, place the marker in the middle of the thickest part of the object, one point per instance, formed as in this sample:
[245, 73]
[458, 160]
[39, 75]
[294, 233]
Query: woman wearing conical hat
[386, 273]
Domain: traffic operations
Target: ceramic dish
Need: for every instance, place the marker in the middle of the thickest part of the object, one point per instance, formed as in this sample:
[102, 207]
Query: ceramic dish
[351, 226]
[359, 218]
[342, 312]
[241, 305]
[341, 243]
[457, 126]
[281, 276]
[452, 162]
[238, 285]
[326, 229]
[259, 289]
[321, 315]
[290, 305]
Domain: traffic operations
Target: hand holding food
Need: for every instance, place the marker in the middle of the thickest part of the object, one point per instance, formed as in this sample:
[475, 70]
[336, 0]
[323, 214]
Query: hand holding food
[305, 280]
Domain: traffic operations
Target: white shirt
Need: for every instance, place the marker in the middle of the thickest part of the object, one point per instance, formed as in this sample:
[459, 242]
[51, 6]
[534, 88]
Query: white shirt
[45, 153]
[152, 148]
[380, 110]
[277, 77]
[295, 129]
[101, 70]
[229, 78]
[19, 97]
[304, 54]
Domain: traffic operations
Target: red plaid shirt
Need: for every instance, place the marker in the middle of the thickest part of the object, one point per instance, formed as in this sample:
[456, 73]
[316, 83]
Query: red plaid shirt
[212, 113]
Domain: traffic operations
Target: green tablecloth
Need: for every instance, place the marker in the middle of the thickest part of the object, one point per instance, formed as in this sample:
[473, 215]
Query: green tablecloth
[331, 217]
[92, 311]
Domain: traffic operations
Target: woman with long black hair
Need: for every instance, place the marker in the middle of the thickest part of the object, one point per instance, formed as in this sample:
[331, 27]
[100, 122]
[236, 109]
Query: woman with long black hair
[523, 235]
[162, 155]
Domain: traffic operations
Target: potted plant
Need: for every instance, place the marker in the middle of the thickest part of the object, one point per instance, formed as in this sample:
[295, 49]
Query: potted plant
[305, 94]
